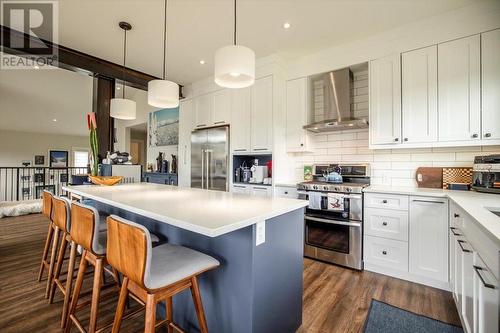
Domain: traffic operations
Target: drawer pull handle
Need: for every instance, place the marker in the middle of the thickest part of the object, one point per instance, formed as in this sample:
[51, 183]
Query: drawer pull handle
[428, 201]
[487, 135]
[453, 231]
[456, 215]
[384, 252]
[286, 192]
[460, 242]
[478, 272]
[384, 201]
[219, 122]
[384, 223]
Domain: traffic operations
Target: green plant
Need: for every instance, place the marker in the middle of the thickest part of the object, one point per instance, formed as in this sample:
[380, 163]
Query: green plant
[94, 145]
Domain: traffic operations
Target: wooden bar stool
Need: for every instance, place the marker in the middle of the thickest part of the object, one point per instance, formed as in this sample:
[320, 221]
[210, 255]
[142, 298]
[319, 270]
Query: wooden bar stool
[85, 231]
[154, 274]
[47, 212]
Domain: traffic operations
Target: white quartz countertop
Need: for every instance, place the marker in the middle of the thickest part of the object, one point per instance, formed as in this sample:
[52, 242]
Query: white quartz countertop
[210, 213]
[476, 204]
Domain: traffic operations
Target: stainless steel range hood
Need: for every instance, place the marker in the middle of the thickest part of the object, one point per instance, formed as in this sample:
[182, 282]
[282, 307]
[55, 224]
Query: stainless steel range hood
[337, 104]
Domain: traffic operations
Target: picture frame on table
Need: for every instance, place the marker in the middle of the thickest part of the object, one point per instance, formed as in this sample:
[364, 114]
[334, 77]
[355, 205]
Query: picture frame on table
[58, 158]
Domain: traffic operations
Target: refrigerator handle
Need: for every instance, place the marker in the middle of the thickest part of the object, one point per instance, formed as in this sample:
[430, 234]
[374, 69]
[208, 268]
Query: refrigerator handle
[202, 167]
[208, 175]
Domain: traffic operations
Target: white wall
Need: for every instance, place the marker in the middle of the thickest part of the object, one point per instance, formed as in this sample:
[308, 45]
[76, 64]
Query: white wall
[19, 146]
[123, 127]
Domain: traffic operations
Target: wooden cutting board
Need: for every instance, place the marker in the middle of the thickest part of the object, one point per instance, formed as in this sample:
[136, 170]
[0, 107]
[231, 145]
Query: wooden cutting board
[429, 177]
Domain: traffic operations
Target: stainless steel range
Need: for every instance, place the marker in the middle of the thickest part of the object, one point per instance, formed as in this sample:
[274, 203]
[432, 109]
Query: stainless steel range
[334, 218]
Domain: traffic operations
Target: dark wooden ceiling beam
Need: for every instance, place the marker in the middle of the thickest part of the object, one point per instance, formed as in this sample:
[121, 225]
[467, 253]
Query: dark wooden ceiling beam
[75, 60]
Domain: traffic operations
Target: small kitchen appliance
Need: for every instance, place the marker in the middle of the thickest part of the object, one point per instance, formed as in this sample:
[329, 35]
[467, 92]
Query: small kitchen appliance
[334, 218]
[486, 174]
[259, 172]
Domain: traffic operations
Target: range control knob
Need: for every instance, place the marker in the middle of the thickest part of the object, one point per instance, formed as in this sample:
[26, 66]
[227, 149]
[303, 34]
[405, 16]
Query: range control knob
[336, 189]
[315, 187]
[348, 189]
[325, 188]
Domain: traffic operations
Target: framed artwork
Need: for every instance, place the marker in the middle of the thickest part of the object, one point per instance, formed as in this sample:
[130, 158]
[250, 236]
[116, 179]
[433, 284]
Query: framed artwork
[40, 188]
[63, 177]
[58, 158]
[163, 127]
[39, 159]
[39, 177]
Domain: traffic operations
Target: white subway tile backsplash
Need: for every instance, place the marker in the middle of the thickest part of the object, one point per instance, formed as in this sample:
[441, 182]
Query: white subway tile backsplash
[341, 136]
[355, 143]
[431, 157]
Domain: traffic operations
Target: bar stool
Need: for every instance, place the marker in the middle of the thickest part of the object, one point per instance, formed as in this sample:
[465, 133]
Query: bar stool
[85, 232]
[47, 212]
[154, 274]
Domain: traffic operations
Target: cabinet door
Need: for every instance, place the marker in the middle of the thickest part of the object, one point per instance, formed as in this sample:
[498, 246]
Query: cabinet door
[262, 114]
[457, 290]
[185, 127]
[222, 107]
[296, 115]
[451, 259]
[261, 191]
[428, 239]
[242, 189]
[204, 106]
[385, 100]
[419, 95]
[467, 259]
[459, 89]
[486, 298]
[490, 70]
[240, 119]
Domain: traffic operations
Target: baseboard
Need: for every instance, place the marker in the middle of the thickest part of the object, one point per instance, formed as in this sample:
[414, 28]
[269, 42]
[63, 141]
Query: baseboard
[407, 276]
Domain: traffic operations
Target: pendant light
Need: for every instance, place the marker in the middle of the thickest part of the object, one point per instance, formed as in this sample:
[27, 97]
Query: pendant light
[122, 108]
[234, 64]
[163, 93]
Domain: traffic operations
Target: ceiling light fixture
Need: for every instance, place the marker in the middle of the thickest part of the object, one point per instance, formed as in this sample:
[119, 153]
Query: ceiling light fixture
[202, 62]
[122, 108]
[286, 25]
[36, 67]
[234, 64]
[163, 93]
[54, 120]
[118, 88]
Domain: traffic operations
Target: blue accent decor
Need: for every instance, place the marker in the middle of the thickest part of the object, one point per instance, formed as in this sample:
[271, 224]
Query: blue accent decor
[385, 318]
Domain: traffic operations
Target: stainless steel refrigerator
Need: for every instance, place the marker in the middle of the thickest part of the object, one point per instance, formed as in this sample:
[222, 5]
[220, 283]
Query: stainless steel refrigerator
[210, 158]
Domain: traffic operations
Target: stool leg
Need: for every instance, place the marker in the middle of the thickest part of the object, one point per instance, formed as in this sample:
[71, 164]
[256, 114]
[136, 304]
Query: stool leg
[76, 292]
[198, 305]
[121, 306]
[52, 261]
[57, 271]
[170, 315]
[46, 248]
[96, 292]
[69, 282]
[150, 314]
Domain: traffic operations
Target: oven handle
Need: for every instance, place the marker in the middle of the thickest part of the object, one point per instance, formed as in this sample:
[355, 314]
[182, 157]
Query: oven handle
[349, 224]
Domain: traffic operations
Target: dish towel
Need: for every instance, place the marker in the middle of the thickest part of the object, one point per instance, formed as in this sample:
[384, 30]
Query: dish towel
[335, 202]
[314, 200]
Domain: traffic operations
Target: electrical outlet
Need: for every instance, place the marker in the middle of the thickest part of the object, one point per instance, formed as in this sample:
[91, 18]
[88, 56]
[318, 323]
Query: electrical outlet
[260, 233]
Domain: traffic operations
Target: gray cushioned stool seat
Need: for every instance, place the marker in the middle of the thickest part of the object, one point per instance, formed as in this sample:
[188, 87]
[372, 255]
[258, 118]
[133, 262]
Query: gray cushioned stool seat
[172, 263]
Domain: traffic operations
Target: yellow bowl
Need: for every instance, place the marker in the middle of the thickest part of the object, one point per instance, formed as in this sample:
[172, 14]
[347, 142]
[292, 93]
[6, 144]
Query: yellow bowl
[105, 180]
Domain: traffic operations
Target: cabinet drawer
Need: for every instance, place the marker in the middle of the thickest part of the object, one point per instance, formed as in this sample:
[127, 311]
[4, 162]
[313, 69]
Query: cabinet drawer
[285, 192]
[386, 223]
[386, 252]
[386, 201]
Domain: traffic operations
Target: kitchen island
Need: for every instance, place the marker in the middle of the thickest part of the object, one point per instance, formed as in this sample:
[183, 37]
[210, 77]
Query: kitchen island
[258, 241]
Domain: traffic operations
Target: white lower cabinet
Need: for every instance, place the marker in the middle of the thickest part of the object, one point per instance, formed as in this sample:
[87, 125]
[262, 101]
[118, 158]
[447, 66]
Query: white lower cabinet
[243, 189]
[386, 253]
[391, 224]
[285, 192]
[486, 296]
[253, 190]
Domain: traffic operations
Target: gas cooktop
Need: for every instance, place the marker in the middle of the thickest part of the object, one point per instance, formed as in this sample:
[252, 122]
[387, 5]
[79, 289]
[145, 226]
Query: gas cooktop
[322, 186]
[355, 177]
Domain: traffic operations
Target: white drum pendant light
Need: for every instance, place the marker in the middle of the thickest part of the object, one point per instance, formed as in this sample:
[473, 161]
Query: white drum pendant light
[234, 64]
[163, 93]
[122, 108]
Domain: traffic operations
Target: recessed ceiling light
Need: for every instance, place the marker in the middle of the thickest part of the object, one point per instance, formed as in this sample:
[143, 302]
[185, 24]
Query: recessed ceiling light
[286, 25]
[54, 120]
[36, 67]
[202, 62]
[118, 88]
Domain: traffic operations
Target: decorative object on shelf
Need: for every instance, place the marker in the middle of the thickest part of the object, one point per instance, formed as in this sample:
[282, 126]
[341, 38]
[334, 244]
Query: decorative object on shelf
[234, 64]
[58, 158]
[163, 93]
[122, 108]
[174, 164]
[105, 180]
[39, 160]
[164, 167]
[150, 167]
[164, 128]
[26, 163]
[429, 177]
[94, 145]
[159, 162]
[456, 175]
[118, 157]
[308, 173]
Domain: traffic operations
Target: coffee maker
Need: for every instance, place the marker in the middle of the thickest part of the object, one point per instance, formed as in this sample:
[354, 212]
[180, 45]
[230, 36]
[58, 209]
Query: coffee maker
[486, 174]
[259, 172]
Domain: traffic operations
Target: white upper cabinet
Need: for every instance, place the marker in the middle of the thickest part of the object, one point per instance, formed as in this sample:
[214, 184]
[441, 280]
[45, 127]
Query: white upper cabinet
[204, 106]
[459, 89]
[296, 115]
[385, 100]
[262, 115]
[240, 119]
[490, 70]
[221, 113]
[419, 95]
[185, 126]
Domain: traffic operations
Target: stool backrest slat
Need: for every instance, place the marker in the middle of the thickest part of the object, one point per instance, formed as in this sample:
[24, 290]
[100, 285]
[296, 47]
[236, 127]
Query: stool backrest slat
[83, 226]
[61, 213]
[47, 204]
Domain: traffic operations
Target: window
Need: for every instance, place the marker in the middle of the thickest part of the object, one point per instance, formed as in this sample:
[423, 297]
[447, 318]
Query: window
[80, 158]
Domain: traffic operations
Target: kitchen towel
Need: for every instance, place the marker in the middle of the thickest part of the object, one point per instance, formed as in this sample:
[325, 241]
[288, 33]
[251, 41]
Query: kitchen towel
[335, 202]
[314, 200]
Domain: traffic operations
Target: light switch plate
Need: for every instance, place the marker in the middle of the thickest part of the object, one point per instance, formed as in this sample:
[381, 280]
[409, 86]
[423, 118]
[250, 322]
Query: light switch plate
[260, 233]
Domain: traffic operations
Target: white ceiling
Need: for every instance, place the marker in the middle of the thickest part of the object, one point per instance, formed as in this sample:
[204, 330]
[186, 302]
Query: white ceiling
[196, 28]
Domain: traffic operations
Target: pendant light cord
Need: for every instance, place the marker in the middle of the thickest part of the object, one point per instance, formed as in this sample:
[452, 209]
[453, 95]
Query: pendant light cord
[165, 42]
[234, 33]
[124, 60]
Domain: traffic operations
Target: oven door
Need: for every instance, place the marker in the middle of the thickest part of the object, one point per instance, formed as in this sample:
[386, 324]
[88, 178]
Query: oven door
[334, 241]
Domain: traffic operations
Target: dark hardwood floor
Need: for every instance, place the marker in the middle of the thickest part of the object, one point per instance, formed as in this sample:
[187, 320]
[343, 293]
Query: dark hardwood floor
[335, 299]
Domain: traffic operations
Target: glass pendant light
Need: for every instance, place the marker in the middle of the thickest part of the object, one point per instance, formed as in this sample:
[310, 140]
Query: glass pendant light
[163, 93]
[122, 108]
[234, 64]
